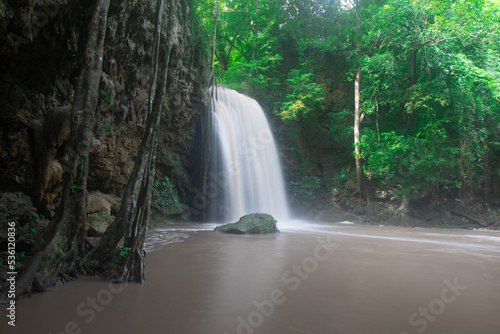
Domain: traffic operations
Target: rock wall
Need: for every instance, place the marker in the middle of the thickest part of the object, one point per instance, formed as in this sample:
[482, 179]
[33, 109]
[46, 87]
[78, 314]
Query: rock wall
[41, 44]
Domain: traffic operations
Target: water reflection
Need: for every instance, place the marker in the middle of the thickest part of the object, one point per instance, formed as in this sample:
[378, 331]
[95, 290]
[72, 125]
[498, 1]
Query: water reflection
[374, 281]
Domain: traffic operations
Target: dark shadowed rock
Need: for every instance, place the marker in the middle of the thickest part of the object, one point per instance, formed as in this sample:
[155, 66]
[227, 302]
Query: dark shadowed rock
[15, 207]
[108, 204]
[254, 223]
[98, 223]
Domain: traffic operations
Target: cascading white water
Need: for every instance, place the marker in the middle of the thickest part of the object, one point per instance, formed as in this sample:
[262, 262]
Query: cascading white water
[244, 154]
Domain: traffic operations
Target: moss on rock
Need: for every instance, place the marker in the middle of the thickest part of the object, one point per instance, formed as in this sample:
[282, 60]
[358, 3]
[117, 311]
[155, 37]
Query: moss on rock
[254, 223]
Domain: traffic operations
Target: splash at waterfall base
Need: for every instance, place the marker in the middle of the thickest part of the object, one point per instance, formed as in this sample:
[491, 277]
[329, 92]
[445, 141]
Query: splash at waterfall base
[244, 151]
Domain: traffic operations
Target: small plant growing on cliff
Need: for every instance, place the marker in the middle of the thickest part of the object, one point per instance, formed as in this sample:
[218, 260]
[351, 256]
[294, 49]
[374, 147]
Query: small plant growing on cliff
[20, 256]
[37, 217]
[124, 251]
[165, 196]
[105, 95]
[121, 254]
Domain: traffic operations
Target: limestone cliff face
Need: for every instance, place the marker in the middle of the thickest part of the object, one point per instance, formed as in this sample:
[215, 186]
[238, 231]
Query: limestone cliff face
[41, 45]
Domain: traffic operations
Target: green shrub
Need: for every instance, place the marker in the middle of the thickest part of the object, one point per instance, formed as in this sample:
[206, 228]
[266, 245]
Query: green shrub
[165, 197]
[306, 190]
[417, 166]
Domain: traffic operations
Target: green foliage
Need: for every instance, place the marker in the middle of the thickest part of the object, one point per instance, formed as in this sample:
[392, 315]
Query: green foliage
[165, 197]
[383, 80]
[342, 184]
[120, 255]
[305, 96]
[26, 232]
[179, 173]
[255, 75]
[247, 53]
[306, 187]
[202, 22]
[430, 87]
[428, 133]
[37, 217]
[124, 251]
[419, 165]
[20, 256]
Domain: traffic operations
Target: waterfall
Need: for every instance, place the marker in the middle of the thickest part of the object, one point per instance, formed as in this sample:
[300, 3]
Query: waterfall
[245, 163]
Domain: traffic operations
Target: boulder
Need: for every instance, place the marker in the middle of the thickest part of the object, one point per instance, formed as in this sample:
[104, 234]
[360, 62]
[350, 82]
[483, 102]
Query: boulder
[254, 223]
[16, 207]
[97, 224]
[107, 204]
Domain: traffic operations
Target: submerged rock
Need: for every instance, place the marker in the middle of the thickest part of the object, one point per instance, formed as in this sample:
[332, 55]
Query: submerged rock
[254, 223]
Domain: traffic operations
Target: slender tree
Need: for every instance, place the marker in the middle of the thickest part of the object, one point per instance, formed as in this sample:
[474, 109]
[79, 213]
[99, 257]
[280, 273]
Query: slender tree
[62, 245]
[360, 175]
[214, 41]
[132, 219]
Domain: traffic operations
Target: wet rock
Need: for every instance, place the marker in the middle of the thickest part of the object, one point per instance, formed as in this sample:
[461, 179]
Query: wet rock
[15, 207]
[254, 223]
[107, 204]
[95, 204]
[97, 224]
[101, 209]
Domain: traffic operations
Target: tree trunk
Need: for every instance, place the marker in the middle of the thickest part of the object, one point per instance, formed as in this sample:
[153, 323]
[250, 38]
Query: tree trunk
[496, 180]
[412, 68]
[254, 44]
[361, 181]
[63, 242]
[487, 176]
[214, 41]
[156, 50]
[223, 57]
[135, 233]
[132, 219]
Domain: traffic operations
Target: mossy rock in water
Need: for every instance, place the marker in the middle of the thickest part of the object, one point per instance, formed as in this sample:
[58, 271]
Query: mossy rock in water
[254, 223]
